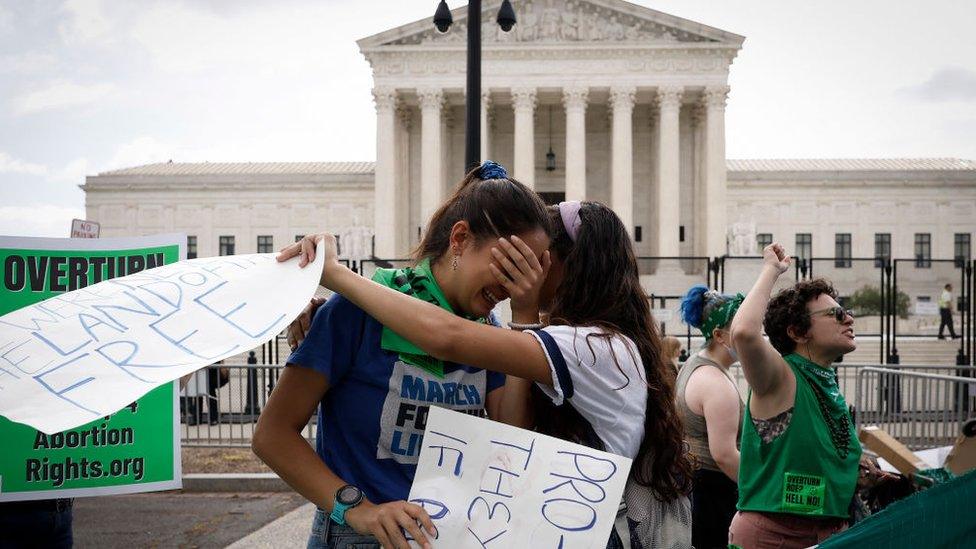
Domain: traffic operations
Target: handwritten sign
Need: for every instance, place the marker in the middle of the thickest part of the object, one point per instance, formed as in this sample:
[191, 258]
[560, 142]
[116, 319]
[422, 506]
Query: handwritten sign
[136, 449]
[87, 353]
[486, 484]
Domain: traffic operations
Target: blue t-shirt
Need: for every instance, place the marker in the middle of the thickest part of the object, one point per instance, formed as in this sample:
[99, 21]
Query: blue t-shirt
[371, 421]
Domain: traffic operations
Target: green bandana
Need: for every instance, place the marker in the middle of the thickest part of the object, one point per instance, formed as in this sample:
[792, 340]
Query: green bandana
[721, 316]
[831, 402]
[418, 282]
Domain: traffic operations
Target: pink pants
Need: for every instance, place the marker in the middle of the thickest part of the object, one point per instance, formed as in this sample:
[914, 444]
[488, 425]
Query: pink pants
[751, 530]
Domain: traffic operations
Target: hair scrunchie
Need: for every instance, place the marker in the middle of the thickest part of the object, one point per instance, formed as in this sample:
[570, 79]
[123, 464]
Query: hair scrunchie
[492, 170]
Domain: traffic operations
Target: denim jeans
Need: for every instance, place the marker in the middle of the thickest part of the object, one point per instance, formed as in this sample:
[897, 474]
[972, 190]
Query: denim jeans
[326, 534]
[45, 523]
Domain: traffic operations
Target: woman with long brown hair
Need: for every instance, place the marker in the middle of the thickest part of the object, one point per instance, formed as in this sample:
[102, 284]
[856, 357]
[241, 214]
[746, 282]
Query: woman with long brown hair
[598, 360]
[351, 369]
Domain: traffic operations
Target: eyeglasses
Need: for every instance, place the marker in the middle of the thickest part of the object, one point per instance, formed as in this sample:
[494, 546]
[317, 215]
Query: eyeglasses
[839, 313]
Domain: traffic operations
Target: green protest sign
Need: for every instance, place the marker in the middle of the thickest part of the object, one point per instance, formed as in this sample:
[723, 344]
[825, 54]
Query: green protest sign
[136, 449]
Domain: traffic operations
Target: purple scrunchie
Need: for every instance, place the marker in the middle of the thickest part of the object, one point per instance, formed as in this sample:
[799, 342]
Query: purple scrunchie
[569, 212]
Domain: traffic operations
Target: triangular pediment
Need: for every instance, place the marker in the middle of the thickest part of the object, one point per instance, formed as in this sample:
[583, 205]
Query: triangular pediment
[563, 21]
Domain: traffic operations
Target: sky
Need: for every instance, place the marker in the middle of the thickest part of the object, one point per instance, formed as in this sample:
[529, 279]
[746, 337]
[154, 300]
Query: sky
[92, 85]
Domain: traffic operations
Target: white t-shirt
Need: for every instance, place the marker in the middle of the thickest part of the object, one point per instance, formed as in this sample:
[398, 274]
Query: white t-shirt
[602, 378]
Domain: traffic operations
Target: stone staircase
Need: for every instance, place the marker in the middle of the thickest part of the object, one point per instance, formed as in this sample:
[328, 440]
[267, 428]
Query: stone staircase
[927, 351]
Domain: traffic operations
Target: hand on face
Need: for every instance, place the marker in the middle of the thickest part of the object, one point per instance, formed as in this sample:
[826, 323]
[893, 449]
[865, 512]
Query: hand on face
[774, 255]
[520, 272]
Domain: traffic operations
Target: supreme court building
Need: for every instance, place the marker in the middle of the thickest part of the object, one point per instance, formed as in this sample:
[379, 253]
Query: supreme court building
[584, 99]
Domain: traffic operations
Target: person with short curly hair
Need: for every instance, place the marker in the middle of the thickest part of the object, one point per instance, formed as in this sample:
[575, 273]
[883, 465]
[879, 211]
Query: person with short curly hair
[798, 468]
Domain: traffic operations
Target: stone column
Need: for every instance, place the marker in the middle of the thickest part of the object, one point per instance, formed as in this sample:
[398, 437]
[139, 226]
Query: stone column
[668, 199]
[404, 232]
[622, 155]
[386, 212]
[485, 125]
[714, 171]
[574, 100]
[698, 179]
[431, 186]
[523, 101]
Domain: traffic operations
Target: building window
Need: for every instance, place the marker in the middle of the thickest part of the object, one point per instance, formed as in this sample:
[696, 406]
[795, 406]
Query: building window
[804, 246]
[923, 250]
[299, 237]
[962, 249]
[265, 244]
[227, 245]
[842, 250]
[191, 247]
[882, 249]
[763, 240]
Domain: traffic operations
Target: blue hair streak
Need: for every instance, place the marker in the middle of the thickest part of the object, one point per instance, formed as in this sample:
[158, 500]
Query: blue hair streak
[693, 305]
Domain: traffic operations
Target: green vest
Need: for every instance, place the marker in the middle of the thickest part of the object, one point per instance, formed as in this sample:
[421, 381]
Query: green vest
[811, 468]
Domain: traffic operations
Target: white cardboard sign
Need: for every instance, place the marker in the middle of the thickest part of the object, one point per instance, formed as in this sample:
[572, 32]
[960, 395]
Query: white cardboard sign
[487, 484]
[88, 353]
[82, 228]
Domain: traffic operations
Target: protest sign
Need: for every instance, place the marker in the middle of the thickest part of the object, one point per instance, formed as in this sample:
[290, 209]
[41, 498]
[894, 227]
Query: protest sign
[87, 353]
[134, 450]
[486, 484]
[82, 228]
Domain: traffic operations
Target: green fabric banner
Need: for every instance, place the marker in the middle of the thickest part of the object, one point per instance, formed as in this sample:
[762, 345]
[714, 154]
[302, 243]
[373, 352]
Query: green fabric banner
[940, 516]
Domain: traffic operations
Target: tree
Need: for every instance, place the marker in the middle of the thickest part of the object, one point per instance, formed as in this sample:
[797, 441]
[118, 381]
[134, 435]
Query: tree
[867, 301]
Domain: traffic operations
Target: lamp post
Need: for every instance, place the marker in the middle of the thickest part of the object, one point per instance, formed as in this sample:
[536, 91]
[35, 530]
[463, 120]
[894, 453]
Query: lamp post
[472, 113]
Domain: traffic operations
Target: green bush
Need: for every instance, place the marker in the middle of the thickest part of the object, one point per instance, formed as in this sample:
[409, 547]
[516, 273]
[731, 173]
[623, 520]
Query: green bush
[867, 301]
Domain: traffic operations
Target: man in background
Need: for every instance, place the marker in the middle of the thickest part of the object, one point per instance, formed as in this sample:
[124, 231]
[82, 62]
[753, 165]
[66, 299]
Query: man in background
[945, 311]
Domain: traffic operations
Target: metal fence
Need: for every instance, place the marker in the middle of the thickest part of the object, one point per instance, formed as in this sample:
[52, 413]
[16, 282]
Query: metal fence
[221, 408]
[922, 405]
[922, 409]
[895, 298]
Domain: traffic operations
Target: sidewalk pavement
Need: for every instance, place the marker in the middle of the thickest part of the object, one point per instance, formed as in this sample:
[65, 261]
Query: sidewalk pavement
[291, 530]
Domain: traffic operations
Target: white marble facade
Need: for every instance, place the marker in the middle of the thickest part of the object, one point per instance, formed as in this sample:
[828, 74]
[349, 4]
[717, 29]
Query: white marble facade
[243, 201]
[636, 100]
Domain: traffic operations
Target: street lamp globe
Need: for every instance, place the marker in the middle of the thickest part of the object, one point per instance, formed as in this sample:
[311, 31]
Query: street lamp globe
[442, 17]
[506, 16]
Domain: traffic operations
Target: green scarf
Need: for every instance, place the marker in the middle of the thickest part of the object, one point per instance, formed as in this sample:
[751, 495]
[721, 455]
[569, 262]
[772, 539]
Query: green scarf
[418, 282]
[831, 402]
[721, 316]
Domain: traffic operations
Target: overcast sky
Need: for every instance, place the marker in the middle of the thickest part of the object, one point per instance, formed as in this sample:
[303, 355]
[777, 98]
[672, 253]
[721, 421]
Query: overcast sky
[92, 85]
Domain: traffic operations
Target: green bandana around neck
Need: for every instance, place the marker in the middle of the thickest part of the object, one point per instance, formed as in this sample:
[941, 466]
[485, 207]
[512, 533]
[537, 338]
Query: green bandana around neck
[721, 316]
[833, 407]
[419, 282]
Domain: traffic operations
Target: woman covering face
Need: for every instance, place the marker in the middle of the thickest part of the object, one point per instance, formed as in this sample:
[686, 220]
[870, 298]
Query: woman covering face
[596, 362]
[373, 387]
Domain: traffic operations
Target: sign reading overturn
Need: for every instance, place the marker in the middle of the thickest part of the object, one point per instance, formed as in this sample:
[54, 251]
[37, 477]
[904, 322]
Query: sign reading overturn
[135, 449]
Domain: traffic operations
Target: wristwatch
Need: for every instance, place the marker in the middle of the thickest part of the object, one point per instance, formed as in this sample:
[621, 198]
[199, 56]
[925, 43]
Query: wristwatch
[346, 498]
